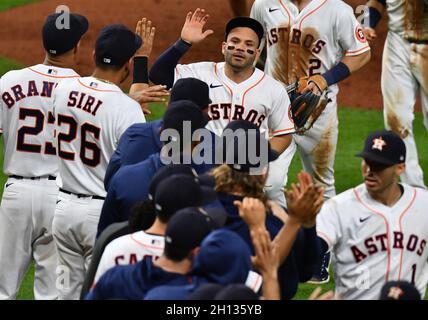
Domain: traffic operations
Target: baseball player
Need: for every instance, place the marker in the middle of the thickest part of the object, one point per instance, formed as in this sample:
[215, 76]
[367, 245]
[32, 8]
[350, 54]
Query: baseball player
[322, 40]
[180, 189]
[122, 194]
[183, 236]
[141, 140]
[27, 122]
[237, 89]
[378, 231]
[91, 114]
[404, 71]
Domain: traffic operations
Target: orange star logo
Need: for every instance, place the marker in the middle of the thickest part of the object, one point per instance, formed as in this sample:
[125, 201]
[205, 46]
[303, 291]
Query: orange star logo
[378, 143]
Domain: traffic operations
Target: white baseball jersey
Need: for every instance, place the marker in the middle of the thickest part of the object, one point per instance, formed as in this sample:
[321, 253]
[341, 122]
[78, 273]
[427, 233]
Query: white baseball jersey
[27, 119]
[130, 249]
[310, 42]
[373, 243]
[408, 18]
[91, 115]
[260, 99]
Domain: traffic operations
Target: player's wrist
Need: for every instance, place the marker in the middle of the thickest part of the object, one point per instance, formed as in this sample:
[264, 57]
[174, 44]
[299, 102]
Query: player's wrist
[336, 74]
[140, 74]
[183, 44]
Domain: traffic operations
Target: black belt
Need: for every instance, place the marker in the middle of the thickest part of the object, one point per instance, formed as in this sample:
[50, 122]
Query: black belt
[32, 178]
[82, 195]
[418, 41]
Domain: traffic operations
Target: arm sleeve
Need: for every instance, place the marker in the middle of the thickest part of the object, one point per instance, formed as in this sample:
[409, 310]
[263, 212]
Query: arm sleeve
[116, 159]
[280, 120]
[109, 211]
[307, 251]
[350, 33]
[328, 224]
[163, 69]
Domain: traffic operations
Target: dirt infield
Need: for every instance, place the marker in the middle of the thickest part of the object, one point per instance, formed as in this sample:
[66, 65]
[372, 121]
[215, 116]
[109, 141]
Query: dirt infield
[20, 36]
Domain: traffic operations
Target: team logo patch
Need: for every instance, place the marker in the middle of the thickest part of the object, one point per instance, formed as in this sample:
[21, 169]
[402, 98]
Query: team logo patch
[52, 72]
[378, 144]
[359, 33]
[93, 85]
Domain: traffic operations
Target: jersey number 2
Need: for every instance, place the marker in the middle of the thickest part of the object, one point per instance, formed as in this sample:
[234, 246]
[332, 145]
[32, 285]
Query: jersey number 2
[85, 145]
[39, 121]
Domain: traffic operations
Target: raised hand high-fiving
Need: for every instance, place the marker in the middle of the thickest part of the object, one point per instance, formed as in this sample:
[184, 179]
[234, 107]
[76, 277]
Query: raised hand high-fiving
[192, 31]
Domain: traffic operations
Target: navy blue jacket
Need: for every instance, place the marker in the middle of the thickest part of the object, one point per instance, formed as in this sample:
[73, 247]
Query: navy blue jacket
[223, 258]
[299, 265]
[129, 186]
[131, 282]
[136, 144]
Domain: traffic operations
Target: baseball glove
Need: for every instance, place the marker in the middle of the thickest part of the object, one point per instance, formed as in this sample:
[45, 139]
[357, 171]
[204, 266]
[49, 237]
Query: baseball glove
[305, 108]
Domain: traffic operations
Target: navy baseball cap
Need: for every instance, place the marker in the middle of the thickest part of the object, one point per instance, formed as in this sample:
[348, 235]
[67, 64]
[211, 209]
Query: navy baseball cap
[115, 45]
[186, 229]
[384, 147]
[399, 290]
[240, 141]
[236, 292]
[172, 169]
[181, 191]
[245, 22]
[191, 89]
[184, 110]
[207, 291]
[58, 37]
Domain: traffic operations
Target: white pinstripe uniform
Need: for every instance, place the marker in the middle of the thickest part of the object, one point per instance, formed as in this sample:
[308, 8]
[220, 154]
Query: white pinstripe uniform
[91, 116]
[373, 243]
[260, 99]
[405, 75]
[304, 44]
[28, 205]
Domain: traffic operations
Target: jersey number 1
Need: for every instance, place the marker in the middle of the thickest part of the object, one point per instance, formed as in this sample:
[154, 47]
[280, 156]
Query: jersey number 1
[85, 145]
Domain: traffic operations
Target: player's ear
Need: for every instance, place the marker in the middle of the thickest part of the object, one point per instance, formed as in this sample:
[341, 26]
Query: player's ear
[400, 169]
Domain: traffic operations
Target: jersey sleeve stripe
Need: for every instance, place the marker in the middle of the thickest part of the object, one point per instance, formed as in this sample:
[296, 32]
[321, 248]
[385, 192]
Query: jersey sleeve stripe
[252, 87]
[283, 131]
[51, 76]
[308, 14]
[326, 238]
[88, 87]
[355, 52]
[401, 229]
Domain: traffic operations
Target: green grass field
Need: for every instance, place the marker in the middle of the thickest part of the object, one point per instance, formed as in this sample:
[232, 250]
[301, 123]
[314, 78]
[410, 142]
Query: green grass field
[354, 126]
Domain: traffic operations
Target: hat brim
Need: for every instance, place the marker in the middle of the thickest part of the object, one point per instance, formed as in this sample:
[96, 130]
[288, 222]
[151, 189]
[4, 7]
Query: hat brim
[206, 180]
[208, 195]
[375, 158]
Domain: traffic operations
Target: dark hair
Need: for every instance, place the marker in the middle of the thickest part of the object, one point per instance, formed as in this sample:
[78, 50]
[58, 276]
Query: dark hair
[176, 254]
[142, 216]
[106, 67]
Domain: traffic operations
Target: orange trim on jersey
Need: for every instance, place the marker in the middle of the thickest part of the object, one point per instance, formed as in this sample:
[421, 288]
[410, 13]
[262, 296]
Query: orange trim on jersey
[145, 245]
[401, 228]
[99, 90]
[252, 87]
[288, 13]
[283, 130]
[326, 238]
[388, 250]
[51, 76]
[308, 14]
[356, 51]
[216, 73]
